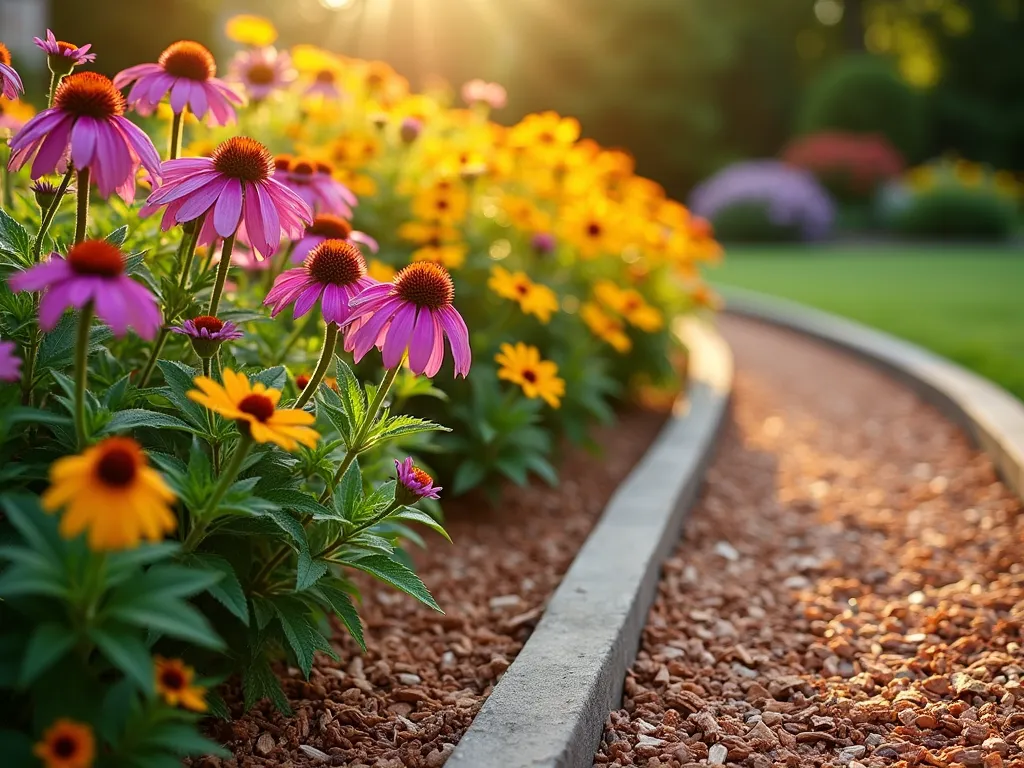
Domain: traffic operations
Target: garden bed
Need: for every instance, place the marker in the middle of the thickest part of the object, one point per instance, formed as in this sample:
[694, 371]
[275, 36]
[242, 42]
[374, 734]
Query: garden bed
[410, 697]
[846, 593]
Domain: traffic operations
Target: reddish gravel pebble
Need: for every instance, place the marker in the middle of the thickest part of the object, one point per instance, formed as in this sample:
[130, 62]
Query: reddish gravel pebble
[409, 699]
[849, 591]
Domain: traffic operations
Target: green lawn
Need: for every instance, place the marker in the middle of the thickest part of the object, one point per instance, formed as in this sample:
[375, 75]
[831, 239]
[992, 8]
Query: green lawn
[964, 303]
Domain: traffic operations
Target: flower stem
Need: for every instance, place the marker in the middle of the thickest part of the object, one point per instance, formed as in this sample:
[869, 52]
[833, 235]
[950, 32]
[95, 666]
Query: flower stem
[227, 478]
[341, 541]
[192, 240]
[83, 205]
[357, 442]
[294, 336]
[54, 82]
[158, 347]
[82, 371]
[222, 273]
[176, 125]
[51, 211]
[326, 356]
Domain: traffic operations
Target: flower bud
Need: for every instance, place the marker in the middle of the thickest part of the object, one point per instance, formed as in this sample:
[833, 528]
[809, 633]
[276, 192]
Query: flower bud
[410, 129]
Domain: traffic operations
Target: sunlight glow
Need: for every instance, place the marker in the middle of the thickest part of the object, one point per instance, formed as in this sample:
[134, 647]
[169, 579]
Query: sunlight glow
[337, 5]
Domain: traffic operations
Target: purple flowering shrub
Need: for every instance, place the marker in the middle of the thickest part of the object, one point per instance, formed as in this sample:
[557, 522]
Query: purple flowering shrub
[765, 200]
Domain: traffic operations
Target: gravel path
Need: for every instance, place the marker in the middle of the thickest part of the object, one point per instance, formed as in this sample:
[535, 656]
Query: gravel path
[407, 701]
[849, 591]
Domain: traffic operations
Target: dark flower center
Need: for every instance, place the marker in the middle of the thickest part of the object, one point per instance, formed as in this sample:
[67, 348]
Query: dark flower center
[425, 284]
[325, 76]
[259, 407]
[303, 167]
[172, 679]
[327, 225]
[96, 257]
[546, 137]
[336, 262]
[5, 55]
[283, 162]
[119, 463]
[442, 204]
[322, 167]
[422, 477]
[302, 380]
[530, 376]
[88, 94]
[593, 229]
[522, 289]
[188, 59]
[244, 159]
[209, 323]
[65, 746]
[261, 74]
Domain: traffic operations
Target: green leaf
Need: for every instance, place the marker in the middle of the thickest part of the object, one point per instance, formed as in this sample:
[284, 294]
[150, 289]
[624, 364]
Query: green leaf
[273, 378]
[171, 617]
[58, 344]
[309, 571]
[134, 418]
[182, 739]
[127, 653]
[298, 501]
[340, 602]
[412, 515]
[395, 574]
[165, 581]
[301, 633]
[118, 236]
[469, 475]
[375, 503]
[260, 682]
[348, 496]
[228, 591]
[19, 580]
[13, 237]
[37, 528]
[50, 641]
[180, 381]
[398, 426]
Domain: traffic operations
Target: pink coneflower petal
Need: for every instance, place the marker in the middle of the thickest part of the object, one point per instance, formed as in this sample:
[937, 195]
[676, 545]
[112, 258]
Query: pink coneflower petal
[458, 337]
[203, 197]
[399, 334]
[421, 346]
[51, 150]
[228, 212]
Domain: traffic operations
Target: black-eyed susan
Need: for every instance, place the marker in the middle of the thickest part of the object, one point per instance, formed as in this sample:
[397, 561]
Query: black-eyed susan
[110, 492]
[254, 409]
[522, 364]
[66, 744]
[629, 304]
[174, 684]
[381, 272]
[533, 298]
[247, 29]
[445, 201]
[606, 327]
[448, 255]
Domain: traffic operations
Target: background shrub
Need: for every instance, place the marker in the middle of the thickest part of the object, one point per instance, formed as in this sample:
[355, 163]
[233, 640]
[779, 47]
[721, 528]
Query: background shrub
[862, 94]
[851, 166]
[766, 201]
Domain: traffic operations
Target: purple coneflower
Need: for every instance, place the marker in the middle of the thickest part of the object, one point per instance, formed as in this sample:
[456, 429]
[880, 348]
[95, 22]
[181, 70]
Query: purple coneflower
[326, 226]
[93, 271]
[543, 242]
[233, 185]
[262, 71]
[334, 273]
[411, 314]
[482, 92]
[314, 182]
[325, 85]
[63, 57]
[10, 363]
[207, 333]
[410, 129]
[87, 118]
[414, 484]
[187, 71]
[10, 81]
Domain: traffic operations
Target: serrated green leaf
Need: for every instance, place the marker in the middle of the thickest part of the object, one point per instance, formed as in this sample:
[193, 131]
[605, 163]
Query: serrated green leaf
[118, 236]
[273, 378]
[297, 501]
[402, 425]
[309, 571]
[412, 515]
[135, 418]
[340, 602]
[49, 643]
[289, 525]
[127, 653]
[180, 380]
[260, 682]
[228, 591]
[18, 580]
[352, 395]
[171, 617]
[13, 237]
[395, 574]
[301, 633]
[377, 501]
[348, 496]
[182, 740]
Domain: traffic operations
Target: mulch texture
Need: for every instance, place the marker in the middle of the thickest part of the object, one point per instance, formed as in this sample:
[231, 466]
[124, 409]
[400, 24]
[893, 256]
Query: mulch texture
[849, 591]
[409, 699]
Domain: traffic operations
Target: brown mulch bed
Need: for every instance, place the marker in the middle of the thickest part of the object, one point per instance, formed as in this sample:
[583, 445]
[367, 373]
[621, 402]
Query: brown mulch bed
[849, 591]
[409, 699]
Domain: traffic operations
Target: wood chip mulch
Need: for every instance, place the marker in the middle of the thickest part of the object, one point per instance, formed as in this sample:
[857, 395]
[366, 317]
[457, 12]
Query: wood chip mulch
[409, 699]
[849, 592]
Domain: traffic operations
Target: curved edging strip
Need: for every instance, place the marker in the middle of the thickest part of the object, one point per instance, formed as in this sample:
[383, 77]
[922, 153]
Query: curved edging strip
[992, 416]
[550, 706]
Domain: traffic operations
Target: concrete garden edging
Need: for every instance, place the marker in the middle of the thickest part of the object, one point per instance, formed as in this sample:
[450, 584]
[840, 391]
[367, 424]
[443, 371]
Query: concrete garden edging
[992, 416]
[549, 708]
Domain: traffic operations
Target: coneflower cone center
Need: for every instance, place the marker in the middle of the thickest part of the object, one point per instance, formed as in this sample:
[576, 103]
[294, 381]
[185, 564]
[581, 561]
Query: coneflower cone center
[425, 284]
[261, 74]
[172, 679]
[208, 323]
[327, 225]
[325, 76]
[96, 257]
[88, 94]
[303, 168]
[189, 60]
[244, 159]
[337, 262]
[260, 407]
[65, 747]
[422, 477]
[64, 47]
[117, 466]
[5, 55]
[283, 162]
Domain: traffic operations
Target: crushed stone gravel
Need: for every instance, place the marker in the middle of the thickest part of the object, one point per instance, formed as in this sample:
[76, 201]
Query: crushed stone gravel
[848, 592]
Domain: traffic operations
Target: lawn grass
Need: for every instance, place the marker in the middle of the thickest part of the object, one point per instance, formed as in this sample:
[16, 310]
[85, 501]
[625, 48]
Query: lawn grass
[965, 303]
